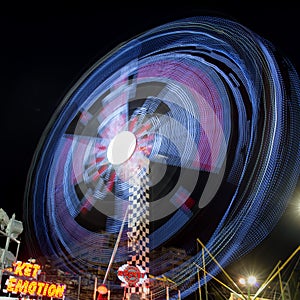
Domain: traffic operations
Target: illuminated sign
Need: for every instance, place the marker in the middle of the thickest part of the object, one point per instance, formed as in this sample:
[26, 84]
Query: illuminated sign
[132, 275]
[26, 282]
[26, 269]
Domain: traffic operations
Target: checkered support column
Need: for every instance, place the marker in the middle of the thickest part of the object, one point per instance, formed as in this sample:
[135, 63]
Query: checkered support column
[138, 224]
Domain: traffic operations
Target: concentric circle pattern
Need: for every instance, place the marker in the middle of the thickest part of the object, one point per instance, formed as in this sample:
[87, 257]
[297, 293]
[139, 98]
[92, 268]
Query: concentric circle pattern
[212, 107]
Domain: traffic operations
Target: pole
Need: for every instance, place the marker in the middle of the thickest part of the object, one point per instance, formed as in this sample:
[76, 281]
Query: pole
[116, 246]
[204, 275]
[198, 277]
[17, 252]
[249, 297]
[79, 285]
[167, 291]
[95, 288]
[281, 286]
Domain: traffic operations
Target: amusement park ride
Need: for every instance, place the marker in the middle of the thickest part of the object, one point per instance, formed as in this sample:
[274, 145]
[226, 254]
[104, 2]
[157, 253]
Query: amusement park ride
[186, 132]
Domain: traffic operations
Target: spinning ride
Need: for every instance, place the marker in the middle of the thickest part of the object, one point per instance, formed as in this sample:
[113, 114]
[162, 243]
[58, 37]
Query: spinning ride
[212, 108]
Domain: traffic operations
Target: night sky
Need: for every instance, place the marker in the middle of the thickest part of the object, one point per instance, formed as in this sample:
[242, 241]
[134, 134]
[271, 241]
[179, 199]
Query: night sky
[44, 53]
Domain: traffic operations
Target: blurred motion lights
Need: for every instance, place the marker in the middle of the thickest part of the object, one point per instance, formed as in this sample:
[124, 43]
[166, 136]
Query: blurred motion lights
[212, 106]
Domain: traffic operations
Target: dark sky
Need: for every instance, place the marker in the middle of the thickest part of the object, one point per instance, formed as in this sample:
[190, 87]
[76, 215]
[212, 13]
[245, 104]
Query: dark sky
[43, 54]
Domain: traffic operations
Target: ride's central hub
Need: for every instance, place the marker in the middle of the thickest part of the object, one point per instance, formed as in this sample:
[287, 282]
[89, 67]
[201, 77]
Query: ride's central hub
[121, 147]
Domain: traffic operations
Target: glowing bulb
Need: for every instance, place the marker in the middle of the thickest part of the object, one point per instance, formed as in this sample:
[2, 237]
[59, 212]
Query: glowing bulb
[251, 280]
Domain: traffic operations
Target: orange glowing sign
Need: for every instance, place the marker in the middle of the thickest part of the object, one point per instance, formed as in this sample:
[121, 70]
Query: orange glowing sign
[27, 284]
[26, 269]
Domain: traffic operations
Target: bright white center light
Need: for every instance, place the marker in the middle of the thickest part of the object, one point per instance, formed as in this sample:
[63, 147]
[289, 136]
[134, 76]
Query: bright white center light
[251, 280]
[121, 147]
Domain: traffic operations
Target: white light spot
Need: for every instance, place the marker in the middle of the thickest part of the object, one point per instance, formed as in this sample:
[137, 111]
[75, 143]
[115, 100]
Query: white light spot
[121, 147]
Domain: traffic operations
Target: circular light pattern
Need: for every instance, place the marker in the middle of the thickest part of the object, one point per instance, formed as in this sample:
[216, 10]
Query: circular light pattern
[212, 107]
